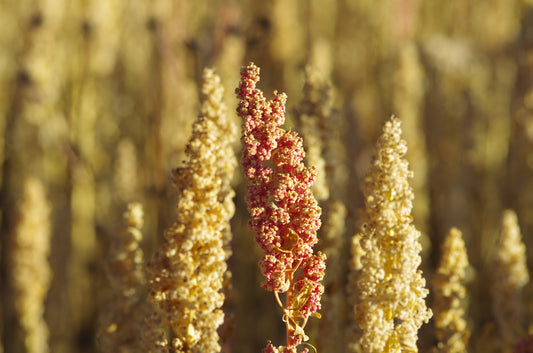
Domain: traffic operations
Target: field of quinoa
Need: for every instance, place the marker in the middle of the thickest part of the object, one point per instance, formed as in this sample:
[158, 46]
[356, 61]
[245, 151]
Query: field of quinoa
[337, 176]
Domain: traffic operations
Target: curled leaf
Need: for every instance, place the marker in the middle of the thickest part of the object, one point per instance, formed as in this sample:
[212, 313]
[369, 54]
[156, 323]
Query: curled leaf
[302, 296]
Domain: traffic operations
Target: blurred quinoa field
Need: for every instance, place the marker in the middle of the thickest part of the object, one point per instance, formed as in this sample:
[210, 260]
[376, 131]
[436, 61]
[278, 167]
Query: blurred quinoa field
[149, 190]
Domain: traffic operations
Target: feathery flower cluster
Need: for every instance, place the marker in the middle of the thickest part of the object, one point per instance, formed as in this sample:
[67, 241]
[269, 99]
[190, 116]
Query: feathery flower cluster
[510, 277]
[392, 290]
[285, 215]
[31, 269]
[187, 271]
[125, 264]
[212, 106]
[212, 93]
[119, 325]
[449, 292]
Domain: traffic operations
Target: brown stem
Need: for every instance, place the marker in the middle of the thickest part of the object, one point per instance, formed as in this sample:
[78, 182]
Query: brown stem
[288, 302]
[287, 308]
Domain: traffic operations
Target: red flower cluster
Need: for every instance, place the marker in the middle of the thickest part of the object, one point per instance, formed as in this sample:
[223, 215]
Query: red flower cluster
[285, 215]
[524, 345]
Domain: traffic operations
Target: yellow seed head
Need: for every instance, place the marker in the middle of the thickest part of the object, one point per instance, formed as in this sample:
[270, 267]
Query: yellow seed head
[392, 289]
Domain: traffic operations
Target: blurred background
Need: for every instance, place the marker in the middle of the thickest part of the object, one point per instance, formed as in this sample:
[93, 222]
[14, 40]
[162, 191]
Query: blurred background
[97, 99]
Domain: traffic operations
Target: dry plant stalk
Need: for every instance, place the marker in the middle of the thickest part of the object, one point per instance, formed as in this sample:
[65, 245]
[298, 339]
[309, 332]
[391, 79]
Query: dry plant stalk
[392, 289]
[125, 178]
[510, 277]
[31, 274]
[449, 294]
[408, 102]
[320, 130]
[120, 323]
[187, 271]
[313, 112]
[354, 266]
[285, 215]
